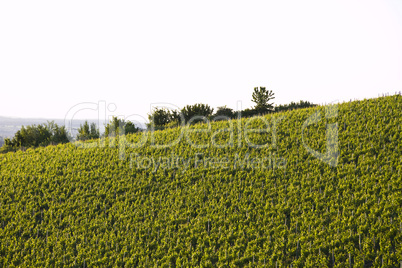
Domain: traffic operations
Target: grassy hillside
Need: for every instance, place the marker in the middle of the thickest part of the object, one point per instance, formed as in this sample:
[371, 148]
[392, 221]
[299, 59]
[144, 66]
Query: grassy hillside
[227, 197]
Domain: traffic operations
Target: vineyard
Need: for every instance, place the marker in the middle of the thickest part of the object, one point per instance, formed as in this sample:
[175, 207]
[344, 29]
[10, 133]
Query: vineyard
[270, 191]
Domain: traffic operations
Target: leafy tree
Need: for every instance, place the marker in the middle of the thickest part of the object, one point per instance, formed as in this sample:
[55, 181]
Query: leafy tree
[129, 127]
[261, 96]
[33, 136]
[87, 132]
[38, 135]
[115, 124]
[57, 134]
[248, 113]
[294, 105]
[176, 116]
[224, 111]
[112, 128]
[160, 117]
[199, 109]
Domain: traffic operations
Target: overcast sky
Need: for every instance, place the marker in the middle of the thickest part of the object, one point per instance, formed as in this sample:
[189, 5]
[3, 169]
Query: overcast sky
[57, 54]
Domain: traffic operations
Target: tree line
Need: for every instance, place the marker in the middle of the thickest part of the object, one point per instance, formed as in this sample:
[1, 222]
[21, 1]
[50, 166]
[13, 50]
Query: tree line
[52, 134]
[160, 118]
[35, 136]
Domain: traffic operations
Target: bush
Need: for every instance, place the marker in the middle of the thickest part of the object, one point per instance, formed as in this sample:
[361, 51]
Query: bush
[37, 135]
[294, 105]
[223, 112]
[190, 112]
[86, 132]
[113, 128]
[160, 117]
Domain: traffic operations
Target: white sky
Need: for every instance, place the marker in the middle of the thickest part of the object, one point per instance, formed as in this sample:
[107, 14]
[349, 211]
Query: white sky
[56, 54]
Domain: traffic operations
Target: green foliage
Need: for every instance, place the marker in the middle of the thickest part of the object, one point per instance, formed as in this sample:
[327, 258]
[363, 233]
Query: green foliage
[249, 113]
[224, 113]
[196, 112]
[87, 132]
[129, 127]
[37, 135]
[71, 207]
[57, 134]
[116, 125]
[261, 97]
[161, 118]
[294, 105]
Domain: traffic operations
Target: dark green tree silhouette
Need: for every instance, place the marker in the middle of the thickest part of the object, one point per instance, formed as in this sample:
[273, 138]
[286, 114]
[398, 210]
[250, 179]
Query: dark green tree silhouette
[57, 134]
[113, 128]
[189, 112]
[38, 135]
[294, 105]
[160, 117]
[261, 97]
[223, 112]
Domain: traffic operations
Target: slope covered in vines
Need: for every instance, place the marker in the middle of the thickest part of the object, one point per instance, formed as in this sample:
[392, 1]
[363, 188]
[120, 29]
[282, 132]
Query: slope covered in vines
[317, 187]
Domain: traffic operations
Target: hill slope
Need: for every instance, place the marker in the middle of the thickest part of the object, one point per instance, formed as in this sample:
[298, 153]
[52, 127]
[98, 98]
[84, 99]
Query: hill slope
[321, 187]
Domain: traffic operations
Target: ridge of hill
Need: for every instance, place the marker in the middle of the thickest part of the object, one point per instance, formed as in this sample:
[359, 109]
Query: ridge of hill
[315, 187]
